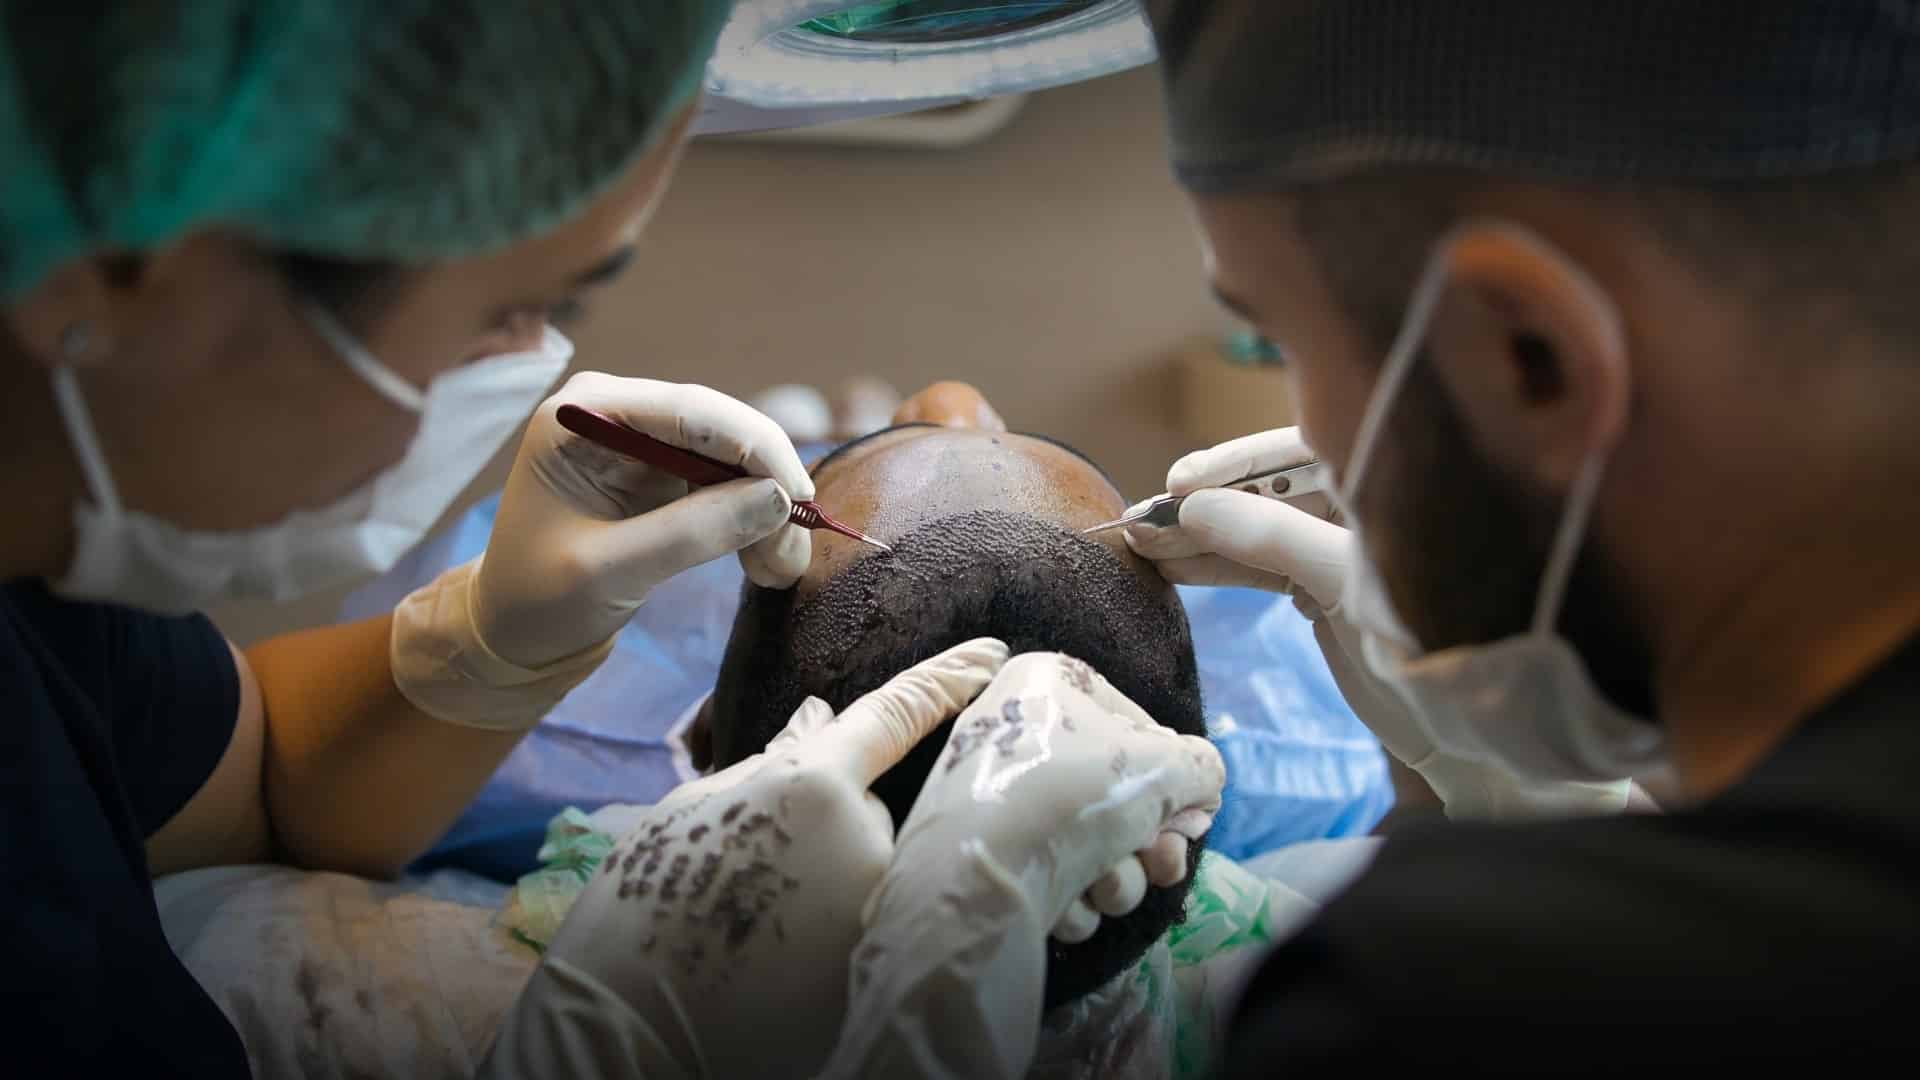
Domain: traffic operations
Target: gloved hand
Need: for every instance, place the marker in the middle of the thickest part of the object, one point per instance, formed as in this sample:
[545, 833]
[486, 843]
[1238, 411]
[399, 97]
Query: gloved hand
[1228, 537]
[714, 939]
[1050, 777]
[1231, 537]
[581, 536]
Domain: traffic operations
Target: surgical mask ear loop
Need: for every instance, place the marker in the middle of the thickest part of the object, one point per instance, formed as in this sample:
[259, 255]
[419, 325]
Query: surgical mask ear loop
[1566, 543]
[85, 440]
[364, 364]
[1581, 497]
[1393, 372]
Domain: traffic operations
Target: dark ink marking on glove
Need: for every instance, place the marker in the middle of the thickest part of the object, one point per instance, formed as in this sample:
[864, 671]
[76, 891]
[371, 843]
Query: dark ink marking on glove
[652, 848]
[964, 741]
[306, 982]
[755, 824]
[703, 878]
[865, 958]
[670, 885]
[1077, 675]
[744, 897]
[1013, 718]
[690, 957]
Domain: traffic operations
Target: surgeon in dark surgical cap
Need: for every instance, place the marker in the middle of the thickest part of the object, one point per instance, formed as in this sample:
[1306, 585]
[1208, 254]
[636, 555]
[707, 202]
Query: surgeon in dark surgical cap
[1603, 315]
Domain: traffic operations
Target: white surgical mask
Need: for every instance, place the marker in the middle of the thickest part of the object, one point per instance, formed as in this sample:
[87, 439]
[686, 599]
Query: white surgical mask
[129, 557]
[1525, 702]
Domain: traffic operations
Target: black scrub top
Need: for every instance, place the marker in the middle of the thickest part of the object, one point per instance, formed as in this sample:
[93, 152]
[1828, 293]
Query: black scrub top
[1778, 924]
[114, 719]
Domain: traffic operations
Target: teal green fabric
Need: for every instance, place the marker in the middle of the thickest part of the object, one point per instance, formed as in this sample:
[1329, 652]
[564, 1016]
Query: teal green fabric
[1228, 909]
[540, 900]
[393, 130]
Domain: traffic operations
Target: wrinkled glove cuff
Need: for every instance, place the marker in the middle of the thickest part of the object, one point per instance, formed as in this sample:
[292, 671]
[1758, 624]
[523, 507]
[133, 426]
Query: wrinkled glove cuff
[443, 667]
[1478, 791]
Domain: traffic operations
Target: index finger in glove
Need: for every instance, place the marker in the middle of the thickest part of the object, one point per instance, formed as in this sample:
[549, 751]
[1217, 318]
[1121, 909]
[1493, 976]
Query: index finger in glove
[1164, 788]
[639, 552]
[1271, 536]
[1217, 572]
[699, 419]
[777, 561]
[813, 716]
[1237, 459]
[874, 733]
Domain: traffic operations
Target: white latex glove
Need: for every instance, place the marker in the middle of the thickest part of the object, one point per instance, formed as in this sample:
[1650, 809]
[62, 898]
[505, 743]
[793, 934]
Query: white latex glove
[1231, 537]
[714, 940]
[1050, 777]
[1228, 537]
[581, 536]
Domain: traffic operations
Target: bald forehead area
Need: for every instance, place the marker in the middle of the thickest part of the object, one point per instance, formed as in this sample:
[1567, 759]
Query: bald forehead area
[904, 479]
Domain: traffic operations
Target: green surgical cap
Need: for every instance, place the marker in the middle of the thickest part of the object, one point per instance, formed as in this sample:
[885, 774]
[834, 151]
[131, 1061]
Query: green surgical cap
[388, 130]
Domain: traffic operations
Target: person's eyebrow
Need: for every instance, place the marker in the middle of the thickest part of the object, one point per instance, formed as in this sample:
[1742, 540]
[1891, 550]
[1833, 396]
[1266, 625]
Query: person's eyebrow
[1234, 304]
[1075, 451]
[843, 449]
[606, 269]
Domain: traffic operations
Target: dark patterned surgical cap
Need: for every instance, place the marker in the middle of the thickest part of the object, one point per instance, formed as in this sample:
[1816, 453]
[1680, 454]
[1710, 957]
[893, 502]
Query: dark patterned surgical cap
[1265, 94]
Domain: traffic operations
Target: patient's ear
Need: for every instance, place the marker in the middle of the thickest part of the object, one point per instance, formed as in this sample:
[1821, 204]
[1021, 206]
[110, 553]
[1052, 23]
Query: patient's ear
[700, 736]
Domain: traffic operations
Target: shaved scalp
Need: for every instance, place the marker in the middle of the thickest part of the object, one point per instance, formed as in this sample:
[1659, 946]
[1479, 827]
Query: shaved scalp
[1028, 582]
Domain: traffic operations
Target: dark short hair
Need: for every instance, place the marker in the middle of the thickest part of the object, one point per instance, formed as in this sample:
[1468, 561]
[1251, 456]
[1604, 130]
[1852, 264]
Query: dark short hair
[1028, 582]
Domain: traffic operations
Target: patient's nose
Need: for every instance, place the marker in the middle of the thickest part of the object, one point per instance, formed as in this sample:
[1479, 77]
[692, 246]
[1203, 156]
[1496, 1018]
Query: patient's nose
[950, 404]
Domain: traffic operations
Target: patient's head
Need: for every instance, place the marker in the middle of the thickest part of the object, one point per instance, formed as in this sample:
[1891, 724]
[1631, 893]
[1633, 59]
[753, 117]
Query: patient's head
[984, 526]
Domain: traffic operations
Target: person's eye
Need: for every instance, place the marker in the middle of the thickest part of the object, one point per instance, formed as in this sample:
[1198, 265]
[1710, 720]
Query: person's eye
[557, 313]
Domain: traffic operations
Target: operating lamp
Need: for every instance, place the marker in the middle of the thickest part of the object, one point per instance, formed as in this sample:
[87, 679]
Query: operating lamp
[793, 63]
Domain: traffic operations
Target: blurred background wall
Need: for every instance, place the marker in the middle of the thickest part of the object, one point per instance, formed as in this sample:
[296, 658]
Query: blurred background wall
[1052, 265]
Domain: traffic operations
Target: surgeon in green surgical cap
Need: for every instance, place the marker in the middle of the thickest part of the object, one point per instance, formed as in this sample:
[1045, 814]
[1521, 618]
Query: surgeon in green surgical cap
[276, 280]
